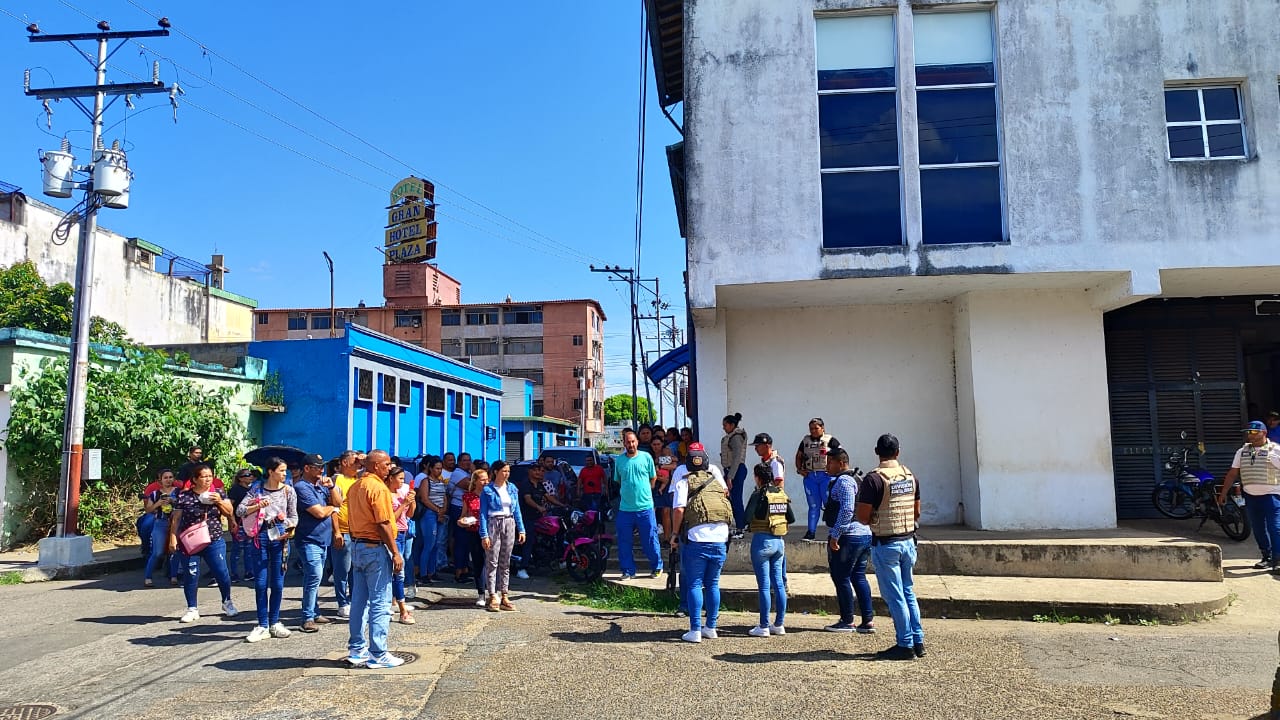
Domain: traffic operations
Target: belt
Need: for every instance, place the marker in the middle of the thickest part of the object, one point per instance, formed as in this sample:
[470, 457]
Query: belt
[366, 542]
[892, 539]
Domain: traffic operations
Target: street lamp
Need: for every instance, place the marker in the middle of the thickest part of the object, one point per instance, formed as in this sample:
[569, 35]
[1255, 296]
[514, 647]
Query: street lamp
[332, 330]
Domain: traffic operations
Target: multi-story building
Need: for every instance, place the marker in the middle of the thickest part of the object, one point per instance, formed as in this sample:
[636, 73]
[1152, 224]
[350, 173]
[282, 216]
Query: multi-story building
[558, 344]
[1036, 239]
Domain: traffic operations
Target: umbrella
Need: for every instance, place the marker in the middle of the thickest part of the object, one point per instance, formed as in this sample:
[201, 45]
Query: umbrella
[292, 456]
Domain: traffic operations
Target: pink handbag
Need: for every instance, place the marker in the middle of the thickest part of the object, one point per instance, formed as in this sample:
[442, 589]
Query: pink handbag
[195, 538]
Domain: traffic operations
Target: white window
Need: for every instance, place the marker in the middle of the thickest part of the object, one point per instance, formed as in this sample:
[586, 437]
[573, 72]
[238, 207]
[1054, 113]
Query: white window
[1204, 123]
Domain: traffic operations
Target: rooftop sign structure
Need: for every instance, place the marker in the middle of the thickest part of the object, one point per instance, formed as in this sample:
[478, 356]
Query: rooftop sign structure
[410, 232]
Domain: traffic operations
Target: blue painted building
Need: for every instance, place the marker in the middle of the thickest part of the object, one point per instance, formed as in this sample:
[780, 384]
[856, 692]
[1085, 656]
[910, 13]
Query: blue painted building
[366, 390]
[525, 435]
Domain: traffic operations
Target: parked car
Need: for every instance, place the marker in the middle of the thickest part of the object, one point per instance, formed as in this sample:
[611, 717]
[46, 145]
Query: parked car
[576, 457]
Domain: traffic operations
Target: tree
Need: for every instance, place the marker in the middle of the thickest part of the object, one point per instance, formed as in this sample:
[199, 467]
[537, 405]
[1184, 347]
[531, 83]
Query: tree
[617, 410]
[27, 301]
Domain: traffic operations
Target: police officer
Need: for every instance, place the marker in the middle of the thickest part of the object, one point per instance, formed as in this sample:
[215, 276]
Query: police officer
[768, 515]
[811, 464]
[1257, 464]
[889, 502]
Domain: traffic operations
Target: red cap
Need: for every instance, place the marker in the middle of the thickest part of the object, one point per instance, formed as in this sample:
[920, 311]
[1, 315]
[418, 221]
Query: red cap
[697, 446]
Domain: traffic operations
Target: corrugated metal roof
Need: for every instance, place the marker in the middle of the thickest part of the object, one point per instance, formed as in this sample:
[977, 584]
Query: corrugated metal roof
[666, 38]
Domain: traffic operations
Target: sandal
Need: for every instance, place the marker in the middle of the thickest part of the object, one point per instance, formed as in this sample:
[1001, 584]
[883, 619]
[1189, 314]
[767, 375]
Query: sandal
[407, 618]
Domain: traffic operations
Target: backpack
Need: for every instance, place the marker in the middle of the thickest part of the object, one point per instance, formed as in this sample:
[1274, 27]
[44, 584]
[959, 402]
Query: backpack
[708, 501]
[831, 510]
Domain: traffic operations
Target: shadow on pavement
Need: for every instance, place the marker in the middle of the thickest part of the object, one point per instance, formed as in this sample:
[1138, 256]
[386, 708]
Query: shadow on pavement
[615, 634]
[801, 656]
[277, 663]
[126, 619]
[197, 634]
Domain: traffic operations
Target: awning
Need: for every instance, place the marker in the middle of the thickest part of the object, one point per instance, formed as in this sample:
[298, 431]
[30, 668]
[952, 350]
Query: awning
[662, 368]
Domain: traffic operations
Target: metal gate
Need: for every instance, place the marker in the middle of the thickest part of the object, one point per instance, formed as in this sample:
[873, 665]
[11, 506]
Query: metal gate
[514, 442]
[1172, 366]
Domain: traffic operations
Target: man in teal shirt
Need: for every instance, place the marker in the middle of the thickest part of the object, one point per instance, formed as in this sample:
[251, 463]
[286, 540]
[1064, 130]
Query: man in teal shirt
[635, 472]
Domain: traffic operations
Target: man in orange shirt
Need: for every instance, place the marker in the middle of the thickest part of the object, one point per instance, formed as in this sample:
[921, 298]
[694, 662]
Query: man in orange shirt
[374, 559]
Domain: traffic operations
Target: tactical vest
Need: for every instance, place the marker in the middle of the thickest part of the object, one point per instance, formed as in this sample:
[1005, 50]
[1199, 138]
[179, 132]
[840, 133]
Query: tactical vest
[815, 453]
[896, 514]
[771, 512]
[708, 501]
[1256, 467]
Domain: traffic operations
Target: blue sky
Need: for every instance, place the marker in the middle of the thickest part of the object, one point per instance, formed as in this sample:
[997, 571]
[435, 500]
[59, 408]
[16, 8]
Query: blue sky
[524, 114]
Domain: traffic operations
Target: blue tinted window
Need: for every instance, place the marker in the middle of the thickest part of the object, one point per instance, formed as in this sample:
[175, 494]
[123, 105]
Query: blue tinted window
[861, 209]
[1186, 141]
[1226, 140]
[858, 130]
[961, 205]
[957, 126]
[1221, 104]
[960, 74]
[1181, 106]
[856, 78]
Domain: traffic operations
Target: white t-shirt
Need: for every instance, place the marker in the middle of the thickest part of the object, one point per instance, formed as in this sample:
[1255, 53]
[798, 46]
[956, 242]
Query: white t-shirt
[1255, 488]
[455, 490]
[717, 532]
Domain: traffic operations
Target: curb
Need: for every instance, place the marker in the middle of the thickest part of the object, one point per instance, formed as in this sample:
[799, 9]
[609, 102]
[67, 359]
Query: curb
[80, 572]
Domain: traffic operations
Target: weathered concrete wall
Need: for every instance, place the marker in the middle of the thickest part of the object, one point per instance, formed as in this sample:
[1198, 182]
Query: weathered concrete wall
[1087, 181]
[153, 307]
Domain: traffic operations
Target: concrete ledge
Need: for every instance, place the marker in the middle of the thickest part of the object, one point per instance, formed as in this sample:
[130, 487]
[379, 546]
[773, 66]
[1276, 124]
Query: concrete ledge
[999, 598]
[118, 560]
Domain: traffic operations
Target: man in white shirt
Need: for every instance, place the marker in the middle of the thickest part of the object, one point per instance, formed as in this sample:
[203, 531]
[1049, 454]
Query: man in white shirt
[1257, 464]
[702, 515]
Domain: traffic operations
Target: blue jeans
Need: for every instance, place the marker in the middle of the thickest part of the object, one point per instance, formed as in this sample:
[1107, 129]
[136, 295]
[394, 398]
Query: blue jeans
[431, 538]
[647, 525]
[268, 575]
[215, 556]
[370, 599]
[894, 561]
[238, 557]
[312, 569]
[815, 494]
[848, 567]
[700, 568]
[1263, 512]
[159, 545]
[767, 553]
[146, 533]
[340, 559]
[397, 579]
[460, 547]
[735, 497]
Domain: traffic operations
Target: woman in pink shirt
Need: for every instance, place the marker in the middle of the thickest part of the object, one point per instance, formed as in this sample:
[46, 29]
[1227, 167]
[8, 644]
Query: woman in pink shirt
[402, 506]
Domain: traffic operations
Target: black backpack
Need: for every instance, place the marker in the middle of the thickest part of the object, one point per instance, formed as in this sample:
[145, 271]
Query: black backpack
[831, 510]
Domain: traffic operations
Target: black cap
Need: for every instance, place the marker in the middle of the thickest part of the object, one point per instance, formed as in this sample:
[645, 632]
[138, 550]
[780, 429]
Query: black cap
[763, 439]
[313, 459]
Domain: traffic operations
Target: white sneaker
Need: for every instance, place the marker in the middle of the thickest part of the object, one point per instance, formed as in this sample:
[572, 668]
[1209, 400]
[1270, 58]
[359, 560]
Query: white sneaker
[384, 661]
[229, 609]
[280, 631]
[692, 636]
[709, 633]
[522, 574]
[482, 601]
[410, 592]
[758, 632]
[345, 611]
[190, 616]
[259, 633]
[777, 630]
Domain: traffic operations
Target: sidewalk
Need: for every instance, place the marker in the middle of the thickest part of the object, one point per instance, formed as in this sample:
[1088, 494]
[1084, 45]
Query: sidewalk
[106, 559]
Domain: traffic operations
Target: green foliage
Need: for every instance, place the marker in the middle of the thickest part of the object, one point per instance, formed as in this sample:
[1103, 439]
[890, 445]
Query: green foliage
[27, 301]
[271, 391]
[138, 412]
[13, 577]
[617, 409]
[609, 596]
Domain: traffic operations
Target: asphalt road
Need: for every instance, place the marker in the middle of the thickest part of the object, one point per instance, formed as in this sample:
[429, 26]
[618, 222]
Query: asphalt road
[109, 649]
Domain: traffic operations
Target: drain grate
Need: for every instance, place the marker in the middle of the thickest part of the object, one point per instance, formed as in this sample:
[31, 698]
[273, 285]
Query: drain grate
[406, 656]
[28, 712]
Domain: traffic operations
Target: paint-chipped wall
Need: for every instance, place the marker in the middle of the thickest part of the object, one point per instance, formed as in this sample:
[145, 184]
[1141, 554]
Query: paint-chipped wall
[1087, 180]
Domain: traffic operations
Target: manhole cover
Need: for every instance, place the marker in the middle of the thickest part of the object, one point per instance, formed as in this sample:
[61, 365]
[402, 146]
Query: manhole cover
[29, 712]
[407, 657]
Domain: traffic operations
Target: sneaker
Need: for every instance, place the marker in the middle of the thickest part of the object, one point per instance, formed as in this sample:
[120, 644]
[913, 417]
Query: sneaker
[840, 627]
[229, 609]
[808, 535]
[656, 574]
[522, 574]
[280, 631]
[384, 661]
[758, 632]
[211, 581]
[1262, 564]
[258, 633]
[918, 649]
[234, 578]
[897, 652]
[146, 582]
[866, 628]
[710, 633]
[309, 626]
[482, 601]
[358, 659]
[693, 636]
[628, 576]
[345, 611]
[190, 616]
[410, 592]
[737, 535]
[777, 630]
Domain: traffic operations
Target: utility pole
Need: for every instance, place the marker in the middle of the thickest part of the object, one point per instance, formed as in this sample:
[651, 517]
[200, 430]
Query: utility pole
[332, 315]
[107, 182]
[628, 276]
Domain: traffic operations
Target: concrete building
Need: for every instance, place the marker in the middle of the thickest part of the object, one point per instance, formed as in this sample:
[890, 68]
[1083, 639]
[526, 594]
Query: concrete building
[558, 344]
[525, 435]
[156, 295]
[22, 351]
[1036, 239]
[366, 390]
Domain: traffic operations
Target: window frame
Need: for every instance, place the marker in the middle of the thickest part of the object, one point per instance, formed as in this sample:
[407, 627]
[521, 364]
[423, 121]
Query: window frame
[361, 392]
[475, 406]
[1204, 123]
[469, 344]
[298, 321]
[263, 318]
[408, 318]
[435, 398]
[320, 321]
[484, 316]
[450, 318]
[458, 400]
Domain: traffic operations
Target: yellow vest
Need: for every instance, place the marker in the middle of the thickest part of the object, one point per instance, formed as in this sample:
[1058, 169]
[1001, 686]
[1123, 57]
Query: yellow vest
[775, 519]
[896, 514]
[1256, 467]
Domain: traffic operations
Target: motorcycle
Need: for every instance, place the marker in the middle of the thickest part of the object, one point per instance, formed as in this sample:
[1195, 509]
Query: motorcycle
[1190, 493]
[576, 543]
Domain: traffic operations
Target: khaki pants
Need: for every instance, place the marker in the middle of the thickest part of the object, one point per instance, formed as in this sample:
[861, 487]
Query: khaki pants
[502, 538]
